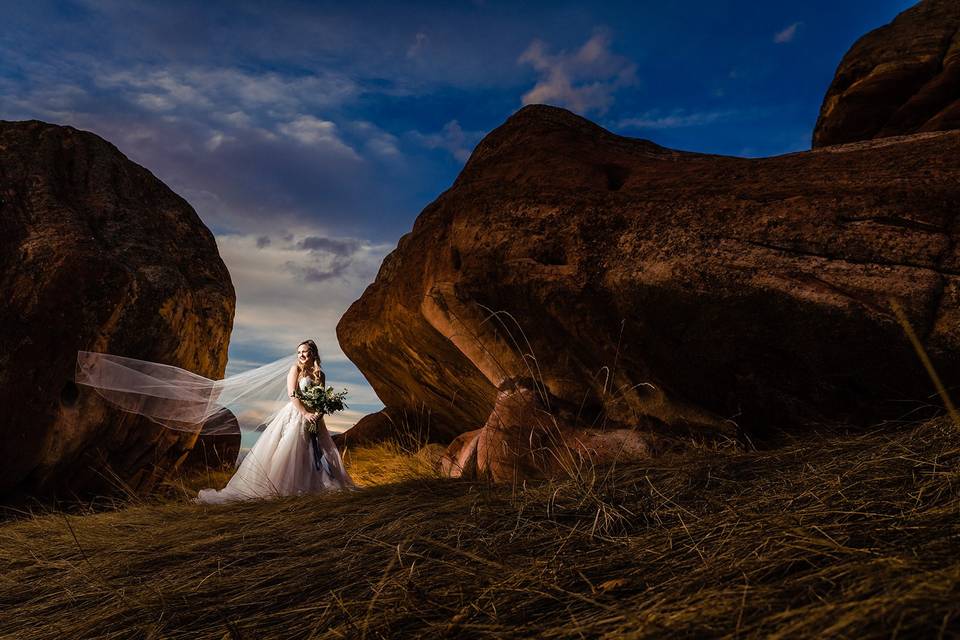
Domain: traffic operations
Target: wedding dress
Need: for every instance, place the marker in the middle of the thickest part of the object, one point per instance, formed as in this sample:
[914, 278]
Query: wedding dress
[282, 462]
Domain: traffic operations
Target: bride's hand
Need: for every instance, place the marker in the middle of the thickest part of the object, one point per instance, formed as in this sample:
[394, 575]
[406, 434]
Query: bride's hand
[313, 417]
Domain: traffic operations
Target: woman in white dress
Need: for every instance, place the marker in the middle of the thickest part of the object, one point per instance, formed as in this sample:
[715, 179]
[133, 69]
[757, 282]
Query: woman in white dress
[283, 462]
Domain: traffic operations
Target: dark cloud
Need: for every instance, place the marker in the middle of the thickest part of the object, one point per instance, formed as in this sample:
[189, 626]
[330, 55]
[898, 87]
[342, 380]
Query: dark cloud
[330, 245]
[313, 274]
[320, 273]
[263, 241]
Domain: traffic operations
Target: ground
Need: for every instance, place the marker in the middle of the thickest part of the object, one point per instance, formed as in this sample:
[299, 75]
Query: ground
[849, 535]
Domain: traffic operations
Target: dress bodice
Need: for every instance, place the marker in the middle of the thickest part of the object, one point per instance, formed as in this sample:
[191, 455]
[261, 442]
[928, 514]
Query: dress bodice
[305, 383]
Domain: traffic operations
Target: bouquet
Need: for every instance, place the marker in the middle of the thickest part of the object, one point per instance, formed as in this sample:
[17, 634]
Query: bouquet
[321, 400]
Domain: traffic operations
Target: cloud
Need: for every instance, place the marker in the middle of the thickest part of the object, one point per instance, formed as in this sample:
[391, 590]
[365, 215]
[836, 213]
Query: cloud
[336, 246]
[216, 139]
[283, 297]
[246, 163]
[787, 34]
[377, 141]
[309, 130]
[676, 119]
[384, 146]
[584, 81]
[419, 42]
[176, 86]
[155, 102]
[327, 258]
[451, 138]
[289, 290]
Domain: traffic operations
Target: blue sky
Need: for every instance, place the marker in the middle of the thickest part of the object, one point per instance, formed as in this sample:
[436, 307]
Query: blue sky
[309, 135]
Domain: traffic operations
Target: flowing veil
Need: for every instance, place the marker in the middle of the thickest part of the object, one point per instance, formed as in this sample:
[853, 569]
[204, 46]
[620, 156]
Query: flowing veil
[179, 399]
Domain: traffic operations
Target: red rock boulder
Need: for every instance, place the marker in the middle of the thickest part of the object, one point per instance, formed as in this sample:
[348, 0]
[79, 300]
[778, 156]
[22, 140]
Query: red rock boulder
[899, 79]
[96, 254]
[677, 294]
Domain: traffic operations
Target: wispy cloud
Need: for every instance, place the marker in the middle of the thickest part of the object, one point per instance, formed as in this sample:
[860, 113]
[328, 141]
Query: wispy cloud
[377, 141]
[167, 88]
[248, 149]
[584, 80]
[310, 130]
[419, 43]
[788, 34]
[452, 138]
[679, 118]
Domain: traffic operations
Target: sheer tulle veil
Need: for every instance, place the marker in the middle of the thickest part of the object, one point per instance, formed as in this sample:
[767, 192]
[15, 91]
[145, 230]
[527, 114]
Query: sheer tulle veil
[179, 399]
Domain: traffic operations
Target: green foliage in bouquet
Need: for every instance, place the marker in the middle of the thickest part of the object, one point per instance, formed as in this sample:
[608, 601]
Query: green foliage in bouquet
[322, 401]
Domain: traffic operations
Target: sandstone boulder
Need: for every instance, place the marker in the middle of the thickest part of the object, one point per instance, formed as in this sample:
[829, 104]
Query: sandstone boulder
[96, 254]
[899, 79]
[370, 429]
[218, 444]
[524, 437]
[680, 295]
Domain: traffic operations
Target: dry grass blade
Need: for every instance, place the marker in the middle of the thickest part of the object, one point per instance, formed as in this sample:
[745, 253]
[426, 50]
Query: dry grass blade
[925, 360]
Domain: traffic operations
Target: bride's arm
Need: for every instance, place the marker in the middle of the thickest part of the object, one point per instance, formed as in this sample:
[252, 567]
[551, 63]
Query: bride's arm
[291, 388]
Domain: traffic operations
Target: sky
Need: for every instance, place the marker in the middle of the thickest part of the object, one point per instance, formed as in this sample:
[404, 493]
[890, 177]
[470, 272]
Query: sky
[309, 135]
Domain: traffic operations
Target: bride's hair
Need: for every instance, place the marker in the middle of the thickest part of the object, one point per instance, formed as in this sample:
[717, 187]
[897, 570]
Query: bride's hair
[314, 366]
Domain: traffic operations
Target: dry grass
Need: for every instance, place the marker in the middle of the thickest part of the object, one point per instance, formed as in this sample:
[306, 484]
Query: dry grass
[378, 464]
[390, 462]
[853, 536]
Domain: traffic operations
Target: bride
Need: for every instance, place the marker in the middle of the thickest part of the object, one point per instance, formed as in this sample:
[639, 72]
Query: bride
[285, 460]
[282, 462]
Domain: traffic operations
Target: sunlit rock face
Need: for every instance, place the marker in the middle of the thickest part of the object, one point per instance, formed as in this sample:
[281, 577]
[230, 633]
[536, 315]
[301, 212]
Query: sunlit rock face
[370, 429]
[899, 79]
[681, 295]
[97, 254]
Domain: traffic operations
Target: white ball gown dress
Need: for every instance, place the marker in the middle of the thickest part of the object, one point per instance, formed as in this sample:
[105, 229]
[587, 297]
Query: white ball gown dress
[282, 462]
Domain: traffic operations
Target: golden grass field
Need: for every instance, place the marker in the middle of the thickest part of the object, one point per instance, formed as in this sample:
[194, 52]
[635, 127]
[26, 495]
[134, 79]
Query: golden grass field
[829, 536]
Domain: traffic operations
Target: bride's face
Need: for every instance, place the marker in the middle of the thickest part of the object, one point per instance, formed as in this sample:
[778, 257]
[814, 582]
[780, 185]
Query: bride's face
[303, 354]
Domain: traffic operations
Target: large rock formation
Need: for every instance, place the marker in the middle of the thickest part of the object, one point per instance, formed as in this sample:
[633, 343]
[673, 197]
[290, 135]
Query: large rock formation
[96, 254]
[671, 293]
[899, 79]
[579, 294]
